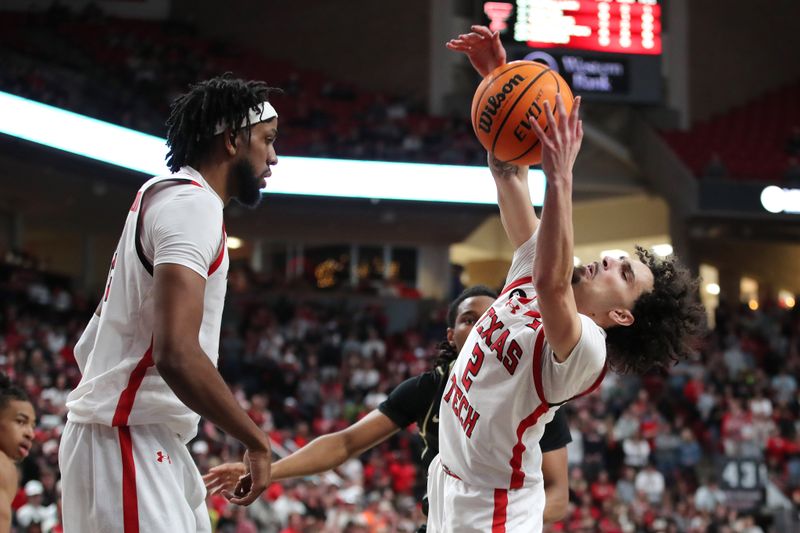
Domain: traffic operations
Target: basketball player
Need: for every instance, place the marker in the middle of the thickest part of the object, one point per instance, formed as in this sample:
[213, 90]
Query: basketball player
[547, 339]
[416, 400]
[17, 422]
[148, 355]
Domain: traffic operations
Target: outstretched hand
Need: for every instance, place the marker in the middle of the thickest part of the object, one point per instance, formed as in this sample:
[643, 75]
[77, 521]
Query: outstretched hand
[482, 47]
[224, 477]
[254, 481]
[562, 141]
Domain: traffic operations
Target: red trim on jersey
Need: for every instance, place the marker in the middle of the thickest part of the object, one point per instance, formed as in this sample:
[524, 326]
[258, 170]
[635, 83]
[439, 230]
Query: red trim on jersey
[197, 184]
[130, 500]
[516, 283]
[500, 511]
[218, 261]
[594, 386]
[136, 201]
[517, 475]
[537, 365]
[125, 403]
[449, 472]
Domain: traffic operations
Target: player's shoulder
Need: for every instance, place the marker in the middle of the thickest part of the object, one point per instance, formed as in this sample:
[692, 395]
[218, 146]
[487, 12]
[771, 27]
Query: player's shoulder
[421, 382]
[9, 477]
[184, 201]
[182, 186]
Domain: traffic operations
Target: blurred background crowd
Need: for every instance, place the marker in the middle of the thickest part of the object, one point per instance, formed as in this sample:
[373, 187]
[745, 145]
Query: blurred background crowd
[311, 344]
[645, 455]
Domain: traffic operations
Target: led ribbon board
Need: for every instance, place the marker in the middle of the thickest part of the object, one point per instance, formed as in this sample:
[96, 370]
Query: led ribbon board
[133, 150]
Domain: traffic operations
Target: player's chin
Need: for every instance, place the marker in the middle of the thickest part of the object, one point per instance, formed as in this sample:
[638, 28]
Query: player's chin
[251, 195]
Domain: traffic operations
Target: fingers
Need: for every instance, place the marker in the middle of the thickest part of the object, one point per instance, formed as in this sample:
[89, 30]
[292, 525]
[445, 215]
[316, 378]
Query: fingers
[245, 497]
[214, 489]
[551, 120]
[215, 483]
[561, 111]
[574, 116]
[483, 31]
[544, 139]
[472, 38]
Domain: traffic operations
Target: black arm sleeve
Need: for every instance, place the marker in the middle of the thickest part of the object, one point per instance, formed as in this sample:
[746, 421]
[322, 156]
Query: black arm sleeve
[410, 401]
[556, 433]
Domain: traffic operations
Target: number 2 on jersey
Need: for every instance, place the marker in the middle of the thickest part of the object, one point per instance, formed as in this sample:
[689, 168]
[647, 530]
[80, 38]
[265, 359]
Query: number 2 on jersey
[473, 367]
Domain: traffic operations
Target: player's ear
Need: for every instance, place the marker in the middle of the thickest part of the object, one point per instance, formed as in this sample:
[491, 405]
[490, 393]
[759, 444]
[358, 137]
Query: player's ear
[621, 317]
[230, 142]
[450, 333]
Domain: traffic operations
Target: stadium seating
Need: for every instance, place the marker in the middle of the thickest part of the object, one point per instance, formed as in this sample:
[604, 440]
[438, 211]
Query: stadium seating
[750, 139]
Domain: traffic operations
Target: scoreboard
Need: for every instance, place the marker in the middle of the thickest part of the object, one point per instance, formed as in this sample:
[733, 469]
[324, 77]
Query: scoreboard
[619, 26]
[606, 49]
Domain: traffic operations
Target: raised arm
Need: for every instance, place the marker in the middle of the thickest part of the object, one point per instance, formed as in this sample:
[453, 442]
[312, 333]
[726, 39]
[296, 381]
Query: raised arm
[553, 262]
[514, 199]
[486, 53]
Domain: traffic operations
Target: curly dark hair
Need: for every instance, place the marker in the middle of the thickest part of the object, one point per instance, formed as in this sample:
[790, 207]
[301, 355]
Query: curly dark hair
[9, 391]
[667, 320]
[194, 116]
[446, 352]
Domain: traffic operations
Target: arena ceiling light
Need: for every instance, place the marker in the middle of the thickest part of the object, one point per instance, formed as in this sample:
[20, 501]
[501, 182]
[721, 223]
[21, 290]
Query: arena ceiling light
[780, 200]
[234, 243]
[95, 139]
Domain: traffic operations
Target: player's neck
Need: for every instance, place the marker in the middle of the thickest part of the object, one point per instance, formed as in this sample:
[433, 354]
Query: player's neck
[217, 178]
[6, 462]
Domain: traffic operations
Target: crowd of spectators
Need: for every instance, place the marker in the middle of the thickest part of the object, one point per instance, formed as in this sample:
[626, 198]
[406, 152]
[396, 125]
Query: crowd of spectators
[643, 457]
[53, 57]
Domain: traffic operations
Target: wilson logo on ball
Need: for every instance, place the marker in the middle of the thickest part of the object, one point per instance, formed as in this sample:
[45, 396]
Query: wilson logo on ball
[493, 103]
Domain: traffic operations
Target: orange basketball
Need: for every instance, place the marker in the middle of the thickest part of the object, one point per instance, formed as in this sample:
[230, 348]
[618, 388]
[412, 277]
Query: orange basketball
[504, 101]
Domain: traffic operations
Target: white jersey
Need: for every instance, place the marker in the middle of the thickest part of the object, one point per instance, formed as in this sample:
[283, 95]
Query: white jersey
[506, 385]
[174, 219]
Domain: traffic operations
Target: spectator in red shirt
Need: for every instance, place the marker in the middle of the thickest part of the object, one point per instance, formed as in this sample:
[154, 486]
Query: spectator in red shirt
[602, 489]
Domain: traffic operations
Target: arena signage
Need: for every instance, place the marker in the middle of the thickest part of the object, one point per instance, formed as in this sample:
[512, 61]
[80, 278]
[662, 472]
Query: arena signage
[586, 74]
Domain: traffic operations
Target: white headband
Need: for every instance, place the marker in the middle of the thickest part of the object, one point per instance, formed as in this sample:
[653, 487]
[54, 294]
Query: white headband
[262, 113]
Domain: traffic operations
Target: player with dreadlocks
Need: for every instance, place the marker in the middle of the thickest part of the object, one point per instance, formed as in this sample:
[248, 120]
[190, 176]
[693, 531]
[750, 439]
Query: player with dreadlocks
[148, 356]
[17, 420]
[416, 400]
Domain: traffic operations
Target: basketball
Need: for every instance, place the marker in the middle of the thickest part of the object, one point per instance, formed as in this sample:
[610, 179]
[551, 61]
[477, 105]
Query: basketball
[503, 102]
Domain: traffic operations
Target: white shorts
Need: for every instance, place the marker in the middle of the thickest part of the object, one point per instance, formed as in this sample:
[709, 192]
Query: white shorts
[456, 507]
[129, 479]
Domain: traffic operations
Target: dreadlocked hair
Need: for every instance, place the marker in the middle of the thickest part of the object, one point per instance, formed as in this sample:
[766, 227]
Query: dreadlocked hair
[194, 116]
[668, 320]
[9, 391]
[446, 352]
